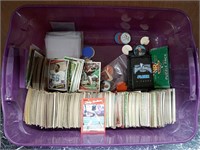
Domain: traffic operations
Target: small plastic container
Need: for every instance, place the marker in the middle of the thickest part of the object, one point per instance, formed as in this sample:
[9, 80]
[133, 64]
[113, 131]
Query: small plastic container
[170, 27]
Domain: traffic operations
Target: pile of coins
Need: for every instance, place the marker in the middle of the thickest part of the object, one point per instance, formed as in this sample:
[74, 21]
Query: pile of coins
[125, 38]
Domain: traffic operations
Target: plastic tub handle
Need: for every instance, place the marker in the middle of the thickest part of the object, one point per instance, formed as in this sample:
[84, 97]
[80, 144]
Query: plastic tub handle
[12, 74]
[194, 74]
[196, 59]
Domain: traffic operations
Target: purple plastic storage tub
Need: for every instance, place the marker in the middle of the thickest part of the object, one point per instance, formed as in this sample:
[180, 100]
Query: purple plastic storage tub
[99, 24]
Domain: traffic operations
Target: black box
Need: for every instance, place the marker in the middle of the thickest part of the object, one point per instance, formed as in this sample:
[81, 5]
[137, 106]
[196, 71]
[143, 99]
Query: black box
[140, 75]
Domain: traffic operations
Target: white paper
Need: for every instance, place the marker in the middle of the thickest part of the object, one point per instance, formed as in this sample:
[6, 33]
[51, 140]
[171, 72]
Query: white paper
[60, 44]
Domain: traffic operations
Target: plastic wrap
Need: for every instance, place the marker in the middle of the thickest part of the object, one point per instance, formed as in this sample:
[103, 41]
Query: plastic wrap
[119, 71]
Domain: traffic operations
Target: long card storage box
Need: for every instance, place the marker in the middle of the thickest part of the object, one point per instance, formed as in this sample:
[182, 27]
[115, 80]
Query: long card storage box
[170, 27]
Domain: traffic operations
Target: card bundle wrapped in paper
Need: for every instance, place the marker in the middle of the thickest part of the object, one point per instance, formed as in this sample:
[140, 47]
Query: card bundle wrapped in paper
[126, 109]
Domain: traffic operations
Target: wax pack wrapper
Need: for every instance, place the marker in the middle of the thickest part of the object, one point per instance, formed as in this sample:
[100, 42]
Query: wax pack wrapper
[114, 75]
[160, 65]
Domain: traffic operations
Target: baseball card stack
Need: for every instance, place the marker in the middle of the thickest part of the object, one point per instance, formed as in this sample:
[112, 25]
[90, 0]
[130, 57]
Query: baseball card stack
[114, 110]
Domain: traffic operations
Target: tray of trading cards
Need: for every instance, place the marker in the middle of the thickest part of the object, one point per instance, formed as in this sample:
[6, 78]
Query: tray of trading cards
[99, 76]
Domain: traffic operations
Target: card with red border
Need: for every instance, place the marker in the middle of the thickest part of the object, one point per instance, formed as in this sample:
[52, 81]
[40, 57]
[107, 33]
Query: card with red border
[93, 115]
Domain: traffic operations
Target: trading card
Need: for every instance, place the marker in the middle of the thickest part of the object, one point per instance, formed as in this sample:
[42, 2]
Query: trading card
[57, 74]
[90, 80]
[93, 115]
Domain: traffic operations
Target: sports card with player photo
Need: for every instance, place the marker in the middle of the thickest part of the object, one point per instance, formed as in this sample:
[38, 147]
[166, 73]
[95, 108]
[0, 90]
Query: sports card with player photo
[57, 77]
[93, 115]
[90, 80]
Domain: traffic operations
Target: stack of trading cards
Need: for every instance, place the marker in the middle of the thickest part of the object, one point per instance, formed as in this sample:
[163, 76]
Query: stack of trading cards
[65, 74]
[53, 74]
[75, 71]
[36, 67]
[122, 110]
